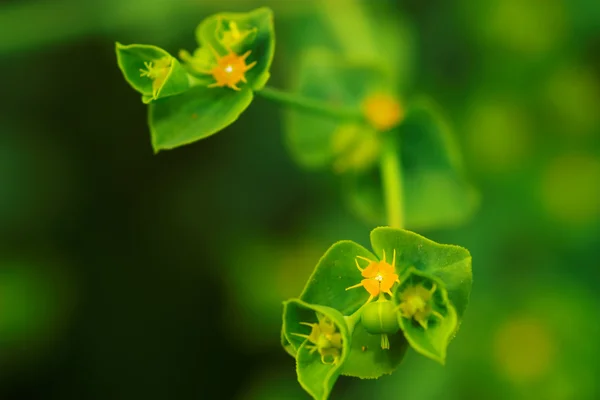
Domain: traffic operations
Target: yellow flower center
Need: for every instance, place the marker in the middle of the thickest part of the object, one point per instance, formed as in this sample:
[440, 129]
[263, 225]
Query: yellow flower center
[383, 111]
[379, 276]
[230, 70]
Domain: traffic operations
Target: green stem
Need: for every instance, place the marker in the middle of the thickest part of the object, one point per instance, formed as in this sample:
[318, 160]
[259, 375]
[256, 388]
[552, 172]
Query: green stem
[391, 177]
[310, 105]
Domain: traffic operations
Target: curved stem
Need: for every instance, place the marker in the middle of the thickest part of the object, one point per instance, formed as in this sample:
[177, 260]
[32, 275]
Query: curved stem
[310, 105]
[391, 177]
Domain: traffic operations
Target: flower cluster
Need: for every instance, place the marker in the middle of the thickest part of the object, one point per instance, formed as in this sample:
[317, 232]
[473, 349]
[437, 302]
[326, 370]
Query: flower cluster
[324, 338]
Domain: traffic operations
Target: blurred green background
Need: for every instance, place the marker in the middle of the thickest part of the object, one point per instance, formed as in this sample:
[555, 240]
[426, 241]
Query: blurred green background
[129, 275]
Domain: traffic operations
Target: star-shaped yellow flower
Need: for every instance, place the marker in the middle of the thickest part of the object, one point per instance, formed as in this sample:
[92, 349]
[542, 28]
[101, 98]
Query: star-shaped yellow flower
[379, 276]
[230, 70]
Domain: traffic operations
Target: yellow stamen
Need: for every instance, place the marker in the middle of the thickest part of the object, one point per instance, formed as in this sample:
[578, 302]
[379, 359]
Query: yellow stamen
[358, 266]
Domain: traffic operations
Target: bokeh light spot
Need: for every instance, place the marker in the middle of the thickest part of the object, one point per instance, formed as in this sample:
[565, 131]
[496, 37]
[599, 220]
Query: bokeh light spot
[498, 136]
[524, 349]
[571, 189]
[573, 95]
[525, 26]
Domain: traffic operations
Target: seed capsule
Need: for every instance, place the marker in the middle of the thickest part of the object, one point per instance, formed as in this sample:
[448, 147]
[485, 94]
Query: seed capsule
[380, 317]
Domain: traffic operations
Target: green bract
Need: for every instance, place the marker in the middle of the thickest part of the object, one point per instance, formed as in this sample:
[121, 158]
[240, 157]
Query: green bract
[318, 358]
[426, 315]
[378, 331]
[213, 85]
[436, 192]
[151, 71]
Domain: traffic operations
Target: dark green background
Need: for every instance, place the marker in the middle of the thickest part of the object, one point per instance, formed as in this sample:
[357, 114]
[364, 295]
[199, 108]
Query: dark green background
[129, 275]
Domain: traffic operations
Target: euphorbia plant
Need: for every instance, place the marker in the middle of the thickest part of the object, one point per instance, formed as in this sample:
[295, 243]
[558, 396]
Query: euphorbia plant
[360, 310]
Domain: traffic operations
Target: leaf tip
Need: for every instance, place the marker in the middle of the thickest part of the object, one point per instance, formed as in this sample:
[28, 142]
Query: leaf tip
[156, 148]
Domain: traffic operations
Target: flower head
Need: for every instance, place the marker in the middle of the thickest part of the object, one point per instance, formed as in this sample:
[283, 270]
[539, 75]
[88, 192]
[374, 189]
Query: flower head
[379, 276]
[230, 69]
[416, 304]
[324, 338]
[383, 111]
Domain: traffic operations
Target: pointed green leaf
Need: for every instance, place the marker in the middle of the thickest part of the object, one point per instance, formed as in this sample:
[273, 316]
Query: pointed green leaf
[335, 272]
[436, 192]
[367, 360]
[450, 264]
[315, 376]
[193, 115]
[151, 71]
[317, 141]
[430, 334]
[241, 32]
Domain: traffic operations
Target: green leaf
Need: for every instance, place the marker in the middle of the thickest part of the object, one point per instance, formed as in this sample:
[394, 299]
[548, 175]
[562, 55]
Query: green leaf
[367, 360]
[317, 141]
[450, 264]
[335, 272]
[431, 336]
[436, 192]
[316, 377]
[195, 114]
[151, 71]
[241, 32]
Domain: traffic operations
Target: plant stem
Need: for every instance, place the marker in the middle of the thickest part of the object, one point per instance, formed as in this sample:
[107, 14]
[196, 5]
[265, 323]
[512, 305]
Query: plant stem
[310, 105]
[391, 177]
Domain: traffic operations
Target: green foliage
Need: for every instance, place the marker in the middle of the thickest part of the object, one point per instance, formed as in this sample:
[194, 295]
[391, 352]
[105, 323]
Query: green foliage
[367, 360]
[212, 87]
[380, 331]
[437, 194]
[359, 311]
[436, 190]
[319, 142]
[196, 114]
